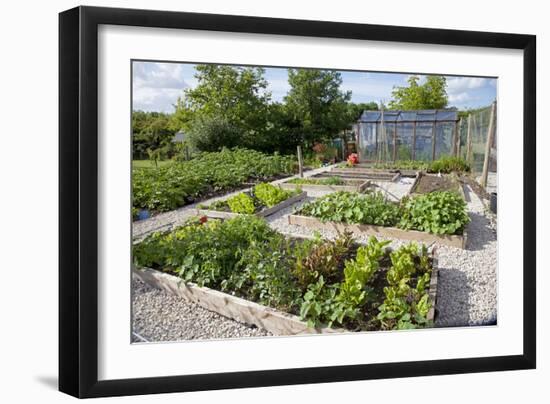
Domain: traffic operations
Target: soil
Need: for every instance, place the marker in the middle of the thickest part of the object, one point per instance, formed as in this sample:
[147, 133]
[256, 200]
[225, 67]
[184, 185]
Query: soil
[431, 183]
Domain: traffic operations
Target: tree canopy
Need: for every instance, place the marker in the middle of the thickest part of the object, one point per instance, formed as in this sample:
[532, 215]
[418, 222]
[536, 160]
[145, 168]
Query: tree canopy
[236, 95]
[432, 94]
[316, 102]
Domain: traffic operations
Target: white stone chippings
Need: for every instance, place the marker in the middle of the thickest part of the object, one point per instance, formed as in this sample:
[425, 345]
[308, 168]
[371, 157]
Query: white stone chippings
[161, 316]
[466, 295]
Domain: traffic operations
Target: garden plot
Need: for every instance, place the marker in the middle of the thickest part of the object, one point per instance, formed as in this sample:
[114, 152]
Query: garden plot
[372, 214]
[324, 184]
[393, 190]
[426, 183]
[367, 174]
[262, 200]
[244, 270]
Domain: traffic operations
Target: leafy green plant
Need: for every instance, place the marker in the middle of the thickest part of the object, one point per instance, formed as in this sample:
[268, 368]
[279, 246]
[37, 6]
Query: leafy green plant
[437, 212]
[179, 183]
[270, 195]
[449, 164]
[406, 306]
[359, 271]
[350, 207]
[322, 259]
[242, 203]
[318, 181]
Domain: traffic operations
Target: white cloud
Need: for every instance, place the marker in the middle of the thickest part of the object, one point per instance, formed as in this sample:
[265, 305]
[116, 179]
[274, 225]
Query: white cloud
[157, 86]
[459, 84]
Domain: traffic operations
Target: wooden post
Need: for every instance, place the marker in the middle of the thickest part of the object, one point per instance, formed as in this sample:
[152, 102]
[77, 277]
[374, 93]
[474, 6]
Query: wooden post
[488, 144]
[458, 125]
[414, 141]
[382, 132]
[394, 142]
[187, 157]
[433, 140]
[300, 162]
[469, 140]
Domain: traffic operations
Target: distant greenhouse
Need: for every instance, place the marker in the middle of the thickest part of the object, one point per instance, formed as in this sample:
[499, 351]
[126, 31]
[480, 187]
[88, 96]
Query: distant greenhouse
[407, 135]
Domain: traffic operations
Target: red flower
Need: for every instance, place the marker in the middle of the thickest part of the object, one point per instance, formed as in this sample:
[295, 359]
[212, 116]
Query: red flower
[203, 219]
[353, 159]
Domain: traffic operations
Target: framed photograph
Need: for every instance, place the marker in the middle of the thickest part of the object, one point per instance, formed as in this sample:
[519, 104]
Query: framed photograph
[251, 201]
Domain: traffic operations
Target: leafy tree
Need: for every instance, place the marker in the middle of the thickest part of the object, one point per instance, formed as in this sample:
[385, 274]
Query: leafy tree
[237, 95]
[151, 131]
[316, 102]
[355, 110]
[212, 133]
[430, 95]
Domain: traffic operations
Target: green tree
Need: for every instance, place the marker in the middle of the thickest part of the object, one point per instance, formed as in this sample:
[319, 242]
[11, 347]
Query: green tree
[355, 110]
[430, 95]
[316, 102]
[212, 133]
[238, 95]
[151, 130]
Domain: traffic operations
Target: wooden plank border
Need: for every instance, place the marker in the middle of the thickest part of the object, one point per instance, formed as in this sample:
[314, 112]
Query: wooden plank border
[263, 213]
[360, 187]
[457, 241]
[420, 174]
[245, 311]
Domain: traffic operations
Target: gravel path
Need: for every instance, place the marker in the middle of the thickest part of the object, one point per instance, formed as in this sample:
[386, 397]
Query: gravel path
[162, 316]
[467, 288]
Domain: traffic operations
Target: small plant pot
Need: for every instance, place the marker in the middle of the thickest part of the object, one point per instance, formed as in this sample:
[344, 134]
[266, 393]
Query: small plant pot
[493, 202]
[143, 214]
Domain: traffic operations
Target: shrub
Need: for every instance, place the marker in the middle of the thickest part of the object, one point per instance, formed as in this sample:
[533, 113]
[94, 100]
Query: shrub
[448, 164]
[242, 203]
[440, 212]
[212, 133]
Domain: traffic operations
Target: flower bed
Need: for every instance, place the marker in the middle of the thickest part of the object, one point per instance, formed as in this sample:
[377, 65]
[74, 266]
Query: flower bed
[321, 182]
[263, 200]
[245, 270]
[426, 183]
[436, 217]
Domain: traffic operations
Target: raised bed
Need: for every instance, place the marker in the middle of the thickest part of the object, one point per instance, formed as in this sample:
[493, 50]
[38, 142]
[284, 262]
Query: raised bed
[262, 213]
[458, 241]
[376, 175]
[245, 311]
[352, 185]
[445, 182]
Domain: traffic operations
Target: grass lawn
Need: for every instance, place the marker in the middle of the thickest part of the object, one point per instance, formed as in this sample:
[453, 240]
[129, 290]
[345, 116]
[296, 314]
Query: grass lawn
[149, 163]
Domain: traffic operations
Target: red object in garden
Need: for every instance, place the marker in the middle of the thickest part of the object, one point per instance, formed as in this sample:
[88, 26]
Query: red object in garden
[203, 219]
[353, 159]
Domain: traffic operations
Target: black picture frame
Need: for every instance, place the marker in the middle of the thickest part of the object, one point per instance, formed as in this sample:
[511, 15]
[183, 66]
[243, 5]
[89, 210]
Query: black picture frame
[78, 200]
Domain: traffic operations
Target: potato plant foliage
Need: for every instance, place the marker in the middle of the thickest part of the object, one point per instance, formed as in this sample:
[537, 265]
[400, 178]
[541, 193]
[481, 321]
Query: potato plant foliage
[325, 282]
[176, 184]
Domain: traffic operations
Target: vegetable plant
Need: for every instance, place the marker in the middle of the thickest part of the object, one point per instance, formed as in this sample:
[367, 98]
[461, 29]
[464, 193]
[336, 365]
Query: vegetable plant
[270, 195]
[242, 203]
[437, 212]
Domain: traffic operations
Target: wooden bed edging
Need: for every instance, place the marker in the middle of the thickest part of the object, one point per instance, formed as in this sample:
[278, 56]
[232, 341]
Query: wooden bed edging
[360, 187]
[432, 291]
[266, 212]
[457, 241]
[420, 174]
[274, 321]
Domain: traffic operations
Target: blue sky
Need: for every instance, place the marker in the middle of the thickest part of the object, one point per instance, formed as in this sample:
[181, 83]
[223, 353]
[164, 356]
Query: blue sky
[157, 86]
